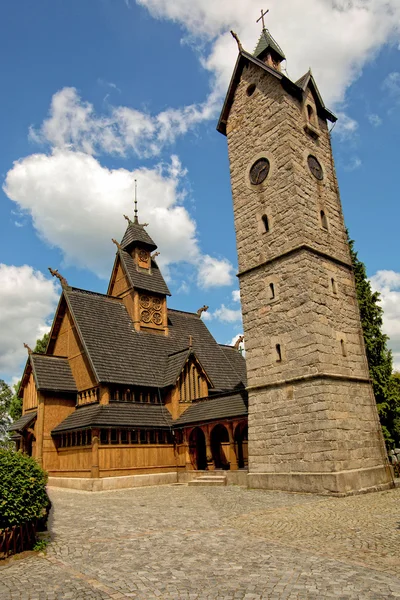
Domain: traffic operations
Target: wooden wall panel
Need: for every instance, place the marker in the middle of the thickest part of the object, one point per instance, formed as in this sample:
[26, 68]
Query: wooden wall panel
[72, 462]
[55, 411]
[120, 460]
[120, 283]
[30, 395]
[61, 343]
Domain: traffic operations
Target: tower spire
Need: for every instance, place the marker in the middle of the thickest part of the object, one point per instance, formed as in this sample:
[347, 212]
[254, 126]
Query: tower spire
[136, 220]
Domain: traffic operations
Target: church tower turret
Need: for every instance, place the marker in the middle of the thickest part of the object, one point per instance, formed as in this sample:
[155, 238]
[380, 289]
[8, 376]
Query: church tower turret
[313, 423]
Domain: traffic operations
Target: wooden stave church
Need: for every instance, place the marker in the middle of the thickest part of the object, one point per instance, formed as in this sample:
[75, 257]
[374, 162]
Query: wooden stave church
[128, 386]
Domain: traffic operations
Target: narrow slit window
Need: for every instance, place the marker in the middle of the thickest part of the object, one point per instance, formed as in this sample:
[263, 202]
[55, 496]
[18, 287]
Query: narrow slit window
[324, 220]
[104, 436]
[143, 436]
[124, 436]
[134, 437]
[266, 223]
[278, 353]
[334, 287]
[343, 348]
[152, 436]
[310, 112]
[114, 436]
[271, 291]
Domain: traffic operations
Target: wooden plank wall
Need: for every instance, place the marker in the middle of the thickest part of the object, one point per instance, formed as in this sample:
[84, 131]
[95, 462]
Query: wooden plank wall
[131, 460]
[30, 395]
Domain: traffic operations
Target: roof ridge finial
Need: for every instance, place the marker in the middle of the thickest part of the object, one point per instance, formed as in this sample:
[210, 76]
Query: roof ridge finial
[136, 219]
[262, 18]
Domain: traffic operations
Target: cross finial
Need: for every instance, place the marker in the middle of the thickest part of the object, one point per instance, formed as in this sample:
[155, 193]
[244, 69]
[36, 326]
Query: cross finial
[136, 210]
[262, 17]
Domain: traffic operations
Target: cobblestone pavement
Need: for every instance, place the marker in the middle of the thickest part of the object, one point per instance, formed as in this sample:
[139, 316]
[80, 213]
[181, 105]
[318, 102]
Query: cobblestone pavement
[178, 542]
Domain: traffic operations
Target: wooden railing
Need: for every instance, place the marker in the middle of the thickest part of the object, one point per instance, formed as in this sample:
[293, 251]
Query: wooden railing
[17, 538]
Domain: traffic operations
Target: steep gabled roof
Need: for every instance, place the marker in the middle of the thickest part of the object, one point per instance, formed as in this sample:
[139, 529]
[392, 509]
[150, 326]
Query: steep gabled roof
[52, 373]
[267, 41]
[117, 414]
[244, 59]
[176, 362]
[223, 407]
[307, 80]
[120, 354]
[152, 281]
[24, 421]
[136, 234]
[237, 361]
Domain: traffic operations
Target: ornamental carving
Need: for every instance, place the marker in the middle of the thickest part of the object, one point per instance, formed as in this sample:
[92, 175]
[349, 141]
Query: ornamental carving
[143, 256]
[151, 309]
[157, 318]
[145, 316]
[144, 301]
[157, 303]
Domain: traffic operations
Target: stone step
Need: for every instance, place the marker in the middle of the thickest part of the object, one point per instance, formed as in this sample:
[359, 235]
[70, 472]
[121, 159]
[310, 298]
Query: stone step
[209, 480]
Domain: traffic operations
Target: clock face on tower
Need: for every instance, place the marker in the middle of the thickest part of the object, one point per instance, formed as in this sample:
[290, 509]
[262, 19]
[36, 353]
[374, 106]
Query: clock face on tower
[315, 167]
[259, 171]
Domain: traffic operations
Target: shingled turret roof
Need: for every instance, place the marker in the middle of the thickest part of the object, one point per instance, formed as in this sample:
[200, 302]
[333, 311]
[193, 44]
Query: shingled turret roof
[136, 234]
[267, 41]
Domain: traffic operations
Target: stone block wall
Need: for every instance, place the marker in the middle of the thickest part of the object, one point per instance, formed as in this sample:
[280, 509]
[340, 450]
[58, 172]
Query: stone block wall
[313, 421]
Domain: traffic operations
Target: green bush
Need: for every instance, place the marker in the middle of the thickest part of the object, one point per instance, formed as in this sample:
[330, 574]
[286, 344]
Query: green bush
[23, 494]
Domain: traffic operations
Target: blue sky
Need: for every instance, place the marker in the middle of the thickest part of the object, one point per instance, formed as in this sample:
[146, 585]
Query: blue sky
[98, 93]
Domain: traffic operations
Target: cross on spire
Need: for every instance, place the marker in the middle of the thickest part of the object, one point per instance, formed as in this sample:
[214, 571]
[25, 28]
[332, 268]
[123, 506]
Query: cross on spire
[136, 220]
[262, 17]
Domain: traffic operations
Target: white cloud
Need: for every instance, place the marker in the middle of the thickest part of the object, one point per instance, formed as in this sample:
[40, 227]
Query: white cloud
[353, 163]
[214, 272]
[236, 296]
[224, 314]
[387, 283]
[375, 120]
[392, 84]
[336, 38]
[73, 124]
[76, 204]
[27, 300]
[346, 127]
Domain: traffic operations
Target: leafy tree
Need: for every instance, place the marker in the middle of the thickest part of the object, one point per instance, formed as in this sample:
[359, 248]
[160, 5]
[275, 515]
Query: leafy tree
[23, 494]
[41, 344]
[386, 386]
[15, 410]
[5, 402]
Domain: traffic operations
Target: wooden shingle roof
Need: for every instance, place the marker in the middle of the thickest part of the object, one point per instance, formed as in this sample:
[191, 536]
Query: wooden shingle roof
[223, 407]
[151, 282]
[136, 234]
[52, 373]
[117, 414]
[120, 354]
[23, 421]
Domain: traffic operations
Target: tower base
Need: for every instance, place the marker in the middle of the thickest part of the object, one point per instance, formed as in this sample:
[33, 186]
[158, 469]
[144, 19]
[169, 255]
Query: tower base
[341, 483]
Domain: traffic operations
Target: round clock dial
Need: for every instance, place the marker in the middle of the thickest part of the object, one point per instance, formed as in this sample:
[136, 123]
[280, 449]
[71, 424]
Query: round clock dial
[259, 171]
[315, 167]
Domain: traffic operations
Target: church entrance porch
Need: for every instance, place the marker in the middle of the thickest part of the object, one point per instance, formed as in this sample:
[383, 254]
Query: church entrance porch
[220, 447]
[197, 449]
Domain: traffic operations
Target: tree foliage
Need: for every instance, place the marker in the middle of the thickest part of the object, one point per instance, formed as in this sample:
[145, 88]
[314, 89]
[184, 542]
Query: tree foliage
[5, 403]
[386, 385]
[15, 410]
[41, 344]
[23, 494]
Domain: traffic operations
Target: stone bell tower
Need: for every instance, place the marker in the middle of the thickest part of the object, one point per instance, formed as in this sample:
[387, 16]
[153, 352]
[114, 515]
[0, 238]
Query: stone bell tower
[313, 422]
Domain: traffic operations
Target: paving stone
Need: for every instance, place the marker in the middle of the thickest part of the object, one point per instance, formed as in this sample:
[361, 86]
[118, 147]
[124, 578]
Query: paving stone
[222, 543]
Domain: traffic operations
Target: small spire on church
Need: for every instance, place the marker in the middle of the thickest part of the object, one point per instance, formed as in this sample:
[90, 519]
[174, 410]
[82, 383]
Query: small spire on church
[136, 219]
[267, 50]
